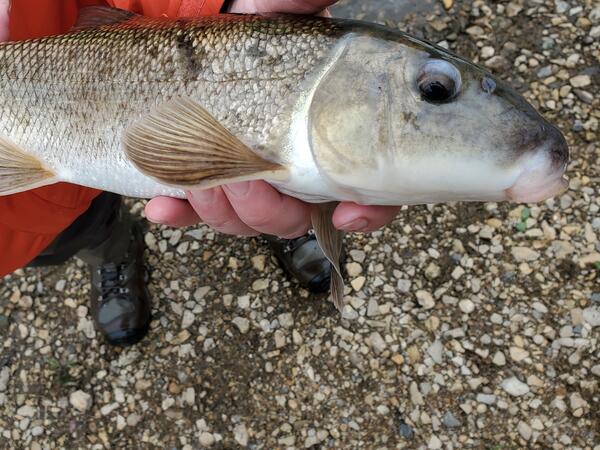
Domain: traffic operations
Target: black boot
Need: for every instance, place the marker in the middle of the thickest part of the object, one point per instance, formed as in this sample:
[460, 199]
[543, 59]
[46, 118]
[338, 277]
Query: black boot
[108, 240]
[303, 259]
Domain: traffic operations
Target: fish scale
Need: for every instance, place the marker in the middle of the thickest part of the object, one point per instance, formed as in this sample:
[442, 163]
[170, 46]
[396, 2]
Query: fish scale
[68, 99]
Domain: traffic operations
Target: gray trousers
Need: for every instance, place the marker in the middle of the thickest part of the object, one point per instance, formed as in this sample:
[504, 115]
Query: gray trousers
[99, 235]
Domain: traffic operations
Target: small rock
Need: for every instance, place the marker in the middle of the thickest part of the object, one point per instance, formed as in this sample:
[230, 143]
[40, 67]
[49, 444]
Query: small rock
[260, 285]
[242, 323]
[357, 255]
[240, 434]
[514, 387]
[487, 399]
[499, 359]
[524, 430]
[450, 421]
[434, 443]
[435, 350]
[406, 431]
[4, 377]
[80, 400]
[377, 343]
[26, 411]
[353, 269]
[467, 306]
[258, 262]
[524, 254]
[188, 319]
[206, 439]
[358, 283]
[591, 316]
[286, 320]
[518, 354]
[580, 81]
[425, 299]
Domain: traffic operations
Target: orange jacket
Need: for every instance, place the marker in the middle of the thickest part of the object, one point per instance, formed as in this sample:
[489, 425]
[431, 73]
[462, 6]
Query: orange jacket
[31, 220]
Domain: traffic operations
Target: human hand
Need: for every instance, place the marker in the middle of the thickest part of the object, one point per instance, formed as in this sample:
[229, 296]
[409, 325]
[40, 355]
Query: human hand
[252, 208]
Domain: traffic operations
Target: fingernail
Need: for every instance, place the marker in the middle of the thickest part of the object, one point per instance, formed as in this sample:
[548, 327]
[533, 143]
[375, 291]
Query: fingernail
[204, 196]
[239, 189]
[355, 225]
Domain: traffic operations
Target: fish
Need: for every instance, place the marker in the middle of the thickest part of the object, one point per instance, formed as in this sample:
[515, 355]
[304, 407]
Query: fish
[324, 109]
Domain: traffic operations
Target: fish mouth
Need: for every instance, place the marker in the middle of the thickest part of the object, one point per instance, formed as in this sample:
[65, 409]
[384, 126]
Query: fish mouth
[542, 176]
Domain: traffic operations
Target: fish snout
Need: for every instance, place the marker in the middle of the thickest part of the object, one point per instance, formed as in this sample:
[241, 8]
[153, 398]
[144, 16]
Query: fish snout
[542, 176]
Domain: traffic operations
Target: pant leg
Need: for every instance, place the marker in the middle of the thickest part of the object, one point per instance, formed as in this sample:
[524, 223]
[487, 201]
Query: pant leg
[100, 234]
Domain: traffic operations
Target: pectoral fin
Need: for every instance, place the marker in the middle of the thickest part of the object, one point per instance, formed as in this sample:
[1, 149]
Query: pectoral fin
[331, 241]
[181, 144]
[20, 171]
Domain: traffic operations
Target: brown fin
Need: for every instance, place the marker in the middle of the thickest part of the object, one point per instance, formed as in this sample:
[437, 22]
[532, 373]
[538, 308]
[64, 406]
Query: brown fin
[181, 144]
[20, 171]
[331, 241]
[95, 16]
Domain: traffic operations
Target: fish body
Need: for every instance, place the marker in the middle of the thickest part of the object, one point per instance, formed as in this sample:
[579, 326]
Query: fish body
[326, 110]
[332, 101]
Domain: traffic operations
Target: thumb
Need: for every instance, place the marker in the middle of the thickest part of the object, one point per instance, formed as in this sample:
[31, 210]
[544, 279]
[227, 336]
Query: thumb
[4, 29]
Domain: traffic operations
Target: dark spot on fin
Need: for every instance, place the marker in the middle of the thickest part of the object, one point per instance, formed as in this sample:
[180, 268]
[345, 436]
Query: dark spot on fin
[181, 144]
[95, 16]
[330, 240]
[20, 171]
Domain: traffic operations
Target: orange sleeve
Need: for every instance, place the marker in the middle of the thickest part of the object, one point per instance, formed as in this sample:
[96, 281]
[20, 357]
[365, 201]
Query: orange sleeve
[31, 220]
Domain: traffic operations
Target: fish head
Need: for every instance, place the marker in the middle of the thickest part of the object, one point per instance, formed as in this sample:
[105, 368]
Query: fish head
[399, 121]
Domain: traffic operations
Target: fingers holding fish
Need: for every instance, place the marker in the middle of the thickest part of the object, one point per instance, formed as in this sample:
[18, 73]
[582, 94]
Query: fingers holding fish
[264, 209]
[172, 212]
[214, 209]
[353, 217]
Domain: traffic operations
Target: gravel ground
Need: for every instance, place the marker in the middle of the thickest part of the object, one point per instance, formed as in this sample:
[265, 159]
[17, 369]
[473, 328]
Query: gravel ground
[470, 326]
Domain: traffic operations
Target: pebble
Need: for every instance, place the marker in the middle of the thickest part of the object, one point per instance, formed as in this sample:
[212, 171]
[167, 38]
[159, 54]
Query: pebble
[425, 299]
[435, 350]
[242, 323]
[591, 316]
[450, 421]
[524, 254]
[353, 269]
[524, 430]
[518, 354]
[434, 443]
[487, 399]
[581, 81]
[240, 434]
[376, 342]
[206, 439]
[514, 387]
[80, 400]
[499, 359]
[466, 306]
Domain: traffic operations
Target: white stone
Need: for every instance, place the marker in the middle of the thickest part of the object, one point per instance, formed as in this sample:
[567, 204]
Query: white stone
[524, 430]
[425, 299]
[242, 323]
[240, 434]
[286, 320]
[524, 254]
[514, 387]
[434, 443]
[26, 411]
[435, 350]
[377, 343]
[4, 377]
[466, 306]
[188, 319]
[591, 316]
[80, 400]
[206, 439]
[518, 354]
[499, 358]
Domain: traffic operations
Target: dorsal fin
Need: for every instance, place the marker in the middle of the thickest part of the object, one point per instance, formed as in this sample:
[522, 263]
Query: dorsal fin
[95, 16]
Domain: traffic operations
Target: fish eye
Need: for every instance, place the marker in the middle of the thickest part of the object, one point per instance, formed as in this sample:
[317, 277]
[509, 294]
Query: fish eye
[439, 81]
